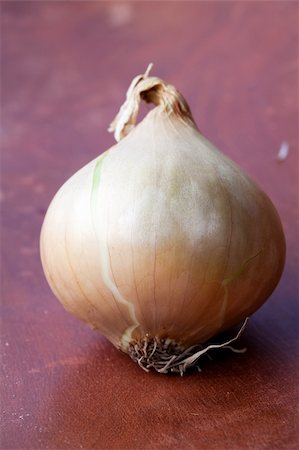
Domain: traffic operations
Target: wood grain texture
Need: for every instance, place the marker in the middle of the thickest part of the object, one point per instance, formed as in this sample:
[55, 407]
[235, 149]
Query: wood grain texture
[65, 69]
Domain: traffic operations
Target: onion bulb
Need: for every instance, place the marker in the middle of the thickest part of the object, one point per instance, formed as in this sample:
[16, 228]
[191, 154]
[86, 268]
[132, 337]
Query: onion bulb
[161, 242]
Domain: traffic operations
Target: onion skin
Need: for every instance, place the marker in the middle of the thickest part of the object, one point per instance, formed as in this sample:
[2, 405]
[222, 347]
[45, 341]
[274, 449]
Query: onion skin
[162, 236]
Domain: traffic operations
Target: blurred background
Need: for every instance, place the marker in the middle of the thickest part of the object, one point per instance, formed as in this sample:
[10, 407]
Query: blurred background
[65, 69]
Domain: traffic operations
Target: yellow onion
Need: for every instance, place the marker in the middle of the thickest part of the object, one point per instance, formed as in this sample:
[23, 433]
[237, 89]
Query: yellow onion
[161, 242]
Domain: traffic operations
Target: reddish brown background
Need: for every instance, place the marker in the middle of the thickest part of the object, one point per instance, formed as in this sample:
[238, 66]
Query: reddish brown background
[65, 69]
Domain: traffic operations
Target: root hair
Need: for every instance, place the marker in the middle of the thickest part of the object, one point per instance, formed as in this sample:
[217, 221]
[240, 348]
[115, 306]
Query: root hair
[165, 355]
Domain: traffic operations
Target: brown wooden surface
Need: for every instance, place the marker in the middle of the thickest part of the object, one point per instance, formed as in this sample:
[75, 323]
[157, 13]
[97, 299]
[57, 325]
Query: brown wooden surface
[65, 69]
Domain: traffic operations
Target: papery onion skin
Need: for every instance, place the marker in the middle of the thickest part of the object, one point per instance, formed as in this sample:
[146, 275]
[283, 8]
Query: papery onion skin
[162, 236]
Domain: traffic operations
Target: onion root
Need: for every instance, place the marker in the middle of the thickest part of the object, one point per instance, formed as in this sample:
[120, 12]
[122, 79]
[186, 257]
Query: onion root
[166, 356]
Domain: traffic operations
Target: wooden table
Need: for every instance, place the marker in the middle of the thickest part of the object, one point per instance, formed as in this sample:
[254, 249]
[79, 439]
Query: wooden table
[65, 69]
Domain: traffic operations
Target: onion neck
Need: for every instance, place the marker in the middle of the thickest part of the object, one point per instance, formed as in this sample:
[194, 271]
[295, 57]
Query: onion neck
[151, 90]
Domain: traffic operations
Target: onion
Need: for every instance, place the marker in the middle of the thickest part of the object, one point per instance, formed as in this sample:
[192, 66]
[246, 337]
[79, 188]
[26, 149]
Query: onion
[161, 242]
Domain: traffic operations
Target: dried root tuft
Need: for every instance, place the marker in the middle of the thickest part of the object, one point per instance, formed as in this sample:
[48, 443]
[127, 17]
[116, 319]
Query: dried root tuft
[165, 355]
